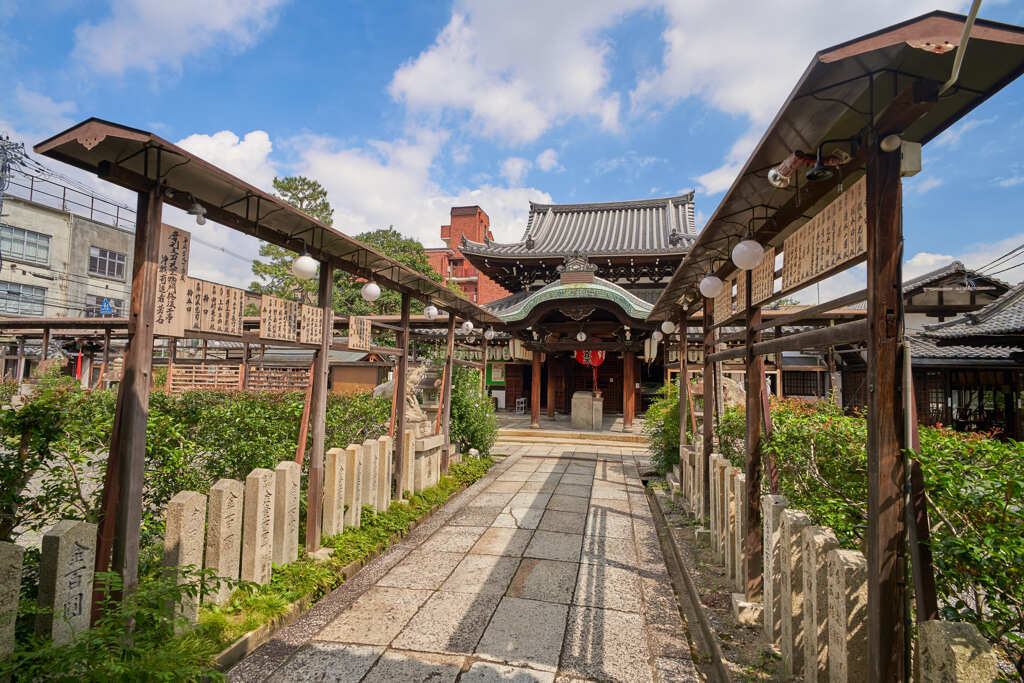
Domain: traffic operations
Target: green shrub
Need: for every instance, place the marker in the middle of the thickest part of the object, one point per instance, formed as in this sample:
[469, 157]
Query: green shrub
[661, 425]
[473, 422]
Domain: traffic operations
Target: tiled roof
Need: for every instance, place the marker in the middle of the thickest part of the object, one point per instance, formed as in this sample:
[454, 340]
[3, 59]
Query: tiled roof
[647, 226]
[939, 274]
[1004, 316]
[923, 347]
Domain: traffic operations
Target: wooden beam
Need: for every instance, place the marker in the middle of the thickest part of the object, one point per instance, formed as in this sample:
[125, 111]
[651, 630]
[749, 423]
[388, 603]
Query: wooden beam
[752, 541]
[844, 333]
[318, 410]
[45, 350]
[707, 412]
[446, 393]
[839, 302]
[402, 337]
[886, 535]
[535, 391]
[587, 345]
[21, 361]
[120, 522]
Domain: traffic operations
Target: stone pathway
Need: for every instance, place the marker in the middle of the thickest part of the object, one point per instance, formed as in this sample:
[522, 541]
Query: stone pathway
[548, 569]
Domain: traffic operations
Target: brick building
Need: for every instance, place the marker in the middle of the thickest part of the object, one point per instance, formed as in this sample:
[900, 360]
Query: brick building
[467, 223]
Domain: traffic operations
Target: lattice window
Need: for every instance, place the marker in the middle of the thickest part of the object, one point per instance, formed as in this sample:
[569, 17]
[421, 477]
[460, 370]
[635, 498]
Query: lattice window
[24, 245]
[106, 263]
[801, 383]
[21, 299]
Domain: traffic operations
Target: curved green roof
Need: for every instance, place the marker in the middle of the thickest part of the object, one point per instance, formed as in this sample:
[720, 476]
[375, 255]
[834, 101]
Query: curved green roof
[632, 305]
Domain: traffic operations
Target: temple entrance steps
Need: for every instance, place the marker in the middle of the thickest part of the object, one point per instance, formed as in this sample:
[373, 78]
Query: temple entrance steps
[565, 435]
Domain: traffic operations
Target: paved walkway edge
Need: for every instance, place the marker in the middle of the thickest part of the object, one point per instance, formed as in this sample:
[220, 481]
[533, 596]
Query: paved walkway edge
[680, 574]
[244, 654]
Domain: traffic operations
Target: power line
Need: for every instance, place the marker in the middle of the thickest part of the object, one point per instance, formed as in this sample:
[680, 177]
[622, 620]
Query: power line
[996, 261]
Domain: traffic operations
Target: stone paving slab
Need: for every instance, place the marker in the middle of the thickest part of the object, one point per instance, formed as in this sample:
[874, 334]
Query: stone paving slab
[549, 569]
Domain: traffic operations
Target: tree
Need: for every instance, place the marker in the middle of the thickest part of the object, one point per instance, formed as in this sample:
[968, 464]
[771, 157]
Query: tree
[275, 271]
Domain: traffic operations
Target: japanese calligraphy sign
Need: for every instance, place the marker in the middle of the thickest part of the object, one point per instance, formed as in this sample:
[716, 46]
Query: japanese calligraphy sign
[360, 337]
[279, 318]
[762, 284]
[171, 282]
[221, 309]
[312, 328]
[834, 237]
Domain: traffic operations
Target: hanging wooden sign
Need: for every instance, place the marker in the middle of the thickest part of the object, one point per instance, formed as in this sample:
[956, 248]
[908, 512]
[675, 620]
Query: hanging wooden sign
[221, 309]
[723, 303]
[762, 284]
[835, 236]
[193, 304]
[171, 282]
[311, 330]
[360, 336]
[279, 318]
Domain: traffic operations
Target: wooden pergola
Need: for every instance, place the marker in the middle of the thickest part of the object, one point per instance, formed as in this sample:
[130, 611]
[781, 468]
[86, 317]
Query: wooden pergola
[161, 172]
[905, 80]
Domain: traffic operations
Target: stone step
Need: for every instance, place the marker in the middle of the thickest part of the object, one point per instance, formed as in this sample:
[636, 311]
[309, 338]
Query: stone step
[575, 443]
[569, 435]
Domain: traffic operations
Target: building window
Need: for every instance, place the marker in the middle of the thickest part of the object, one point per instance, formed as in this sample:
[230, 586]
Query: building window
[94, 307]
[24, 245]
[106, 263]
[801, 383]
[19, 299]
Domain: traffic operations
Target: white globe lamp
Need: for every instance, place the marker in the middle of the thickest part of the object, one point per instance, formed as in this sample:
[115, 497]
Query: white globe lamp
[748, 254]
[581, 336]
[370, 291]
[430, 312]
[668, 327]
[304, 267]
[467, 326]
[489, 334]
[657, 335]
[711, 286]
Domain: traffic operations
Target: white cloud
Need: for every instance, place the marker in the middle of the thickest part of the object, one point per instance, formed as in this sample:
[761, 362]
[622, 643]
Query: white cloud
[548, 160]
[721, 178]
[516, 69]
[951, 138]
[514, 170]
[150, 34]
[924, 262]
[248, 157]
[1011, 181]
[923, 185]
[42, 110]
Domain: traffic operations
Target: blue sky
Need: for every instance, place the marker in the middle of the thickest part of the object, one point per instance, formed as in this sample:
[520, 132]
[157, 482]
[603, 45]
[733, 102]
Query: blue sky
[403, 109]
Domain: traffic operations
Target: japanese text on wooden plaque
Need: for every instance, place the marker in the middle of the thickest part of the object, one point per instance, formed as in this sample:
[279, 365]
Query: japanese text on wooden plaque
[279, 319]
[762, 284]
[834, 237]
[359, 333]
[221, 309]
[312, 329]
[723, 303]
[171, 282]
[741, 290]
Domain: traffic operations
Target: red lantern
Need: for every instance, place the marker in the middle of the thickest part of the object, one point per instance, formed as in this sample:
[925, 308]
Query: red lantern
[591, 358]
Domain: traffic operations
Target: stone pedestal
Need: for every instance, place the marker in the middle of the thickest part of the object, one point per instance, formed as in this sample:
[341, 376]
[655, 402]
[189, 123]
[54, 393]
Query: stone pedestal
[587, 411]
[258, 530]
[184, 538]
[954, 651]
[65, 579]
[11, 556]
[286, 512]
[224, 535]
[428, 461]
[818, 542]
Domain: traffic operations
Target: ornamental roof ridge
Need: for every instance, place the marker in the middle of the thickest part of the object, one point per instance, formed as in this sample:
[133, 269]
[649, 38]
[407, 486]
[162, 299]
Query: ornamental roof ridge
[606, 206]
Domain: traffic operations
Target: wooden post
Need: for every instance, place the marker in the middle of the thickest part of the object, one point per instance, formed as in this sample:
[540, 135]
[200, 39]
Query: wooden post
[398, 461]
[446, 390]
[535, 392]
[121, 506]
[628, 392]
[483, 370]
[45, 353]
[318, 411]
[753, 538]
[886, 539]
[245, 367]
[708, 429]
[683, 392]
[551, 388]
[21, 360]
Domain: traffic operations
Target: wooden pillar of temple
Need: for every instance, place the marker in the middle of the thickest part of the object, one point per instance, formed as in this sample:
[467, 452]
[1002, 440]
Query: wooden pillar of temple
[120, 523]
[628, 390]
[21, 360]
[684, 416]
[483, 368]
[707, 421]
[318, 411]
[398, 461]
[553, 370]
[45, 352]
[886, 534]
[446, 394]
[535, 391]
[753, 538]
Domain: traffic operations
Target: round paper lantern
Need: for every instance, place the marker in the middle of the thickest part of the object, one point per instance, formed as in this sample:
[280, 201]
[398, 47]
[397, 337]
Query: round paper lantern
[370, 291]
[747, 254]
[711, 286]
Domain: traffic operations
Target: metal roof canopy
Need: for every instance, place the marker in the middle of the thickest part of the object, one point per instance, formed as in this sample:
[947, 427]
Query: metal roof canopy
[137, 160]
[842, 91]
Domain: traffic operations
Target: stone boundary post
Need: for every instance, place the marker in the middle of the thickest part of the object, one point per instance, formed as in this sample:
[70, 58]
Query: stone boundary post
[224, 535]
[818, 542]
[286, 512]
[184, 538]
[740, 531]
[353, 485]
[66, 579]
[954, 651]
[11, 558]
[258, 528]
[791, 545]
[771, 510]
[333, 522]
[848, 616]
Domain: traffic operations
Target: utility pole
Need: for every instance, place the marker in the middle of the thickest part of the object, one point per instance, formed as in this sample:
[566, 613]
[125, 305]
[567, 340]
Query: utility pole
[9, 152]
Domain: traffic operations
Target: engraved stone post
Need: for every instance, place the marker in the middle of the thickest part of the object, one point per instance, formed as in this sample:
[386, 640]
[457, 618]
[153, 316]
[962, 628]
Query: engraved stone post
[771, 509]
[11, 556]
[184, 536]
[723, 508]
[740, 532]
[954, 651]
[384, 466]
[353, 485]
[409, 446]
[334, 492]
[818, 541]
[715, 534]
[848, 616]
[732, 506]
[224, 535]
[369, 459]
[286, 512]
[258, 531]
[791, 547]
[65, 579]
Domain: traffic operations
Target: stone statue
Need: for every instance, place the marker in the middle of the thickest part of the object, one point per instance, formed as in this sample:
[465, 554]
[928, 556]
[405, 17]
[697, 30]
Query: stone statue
[415, 419]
